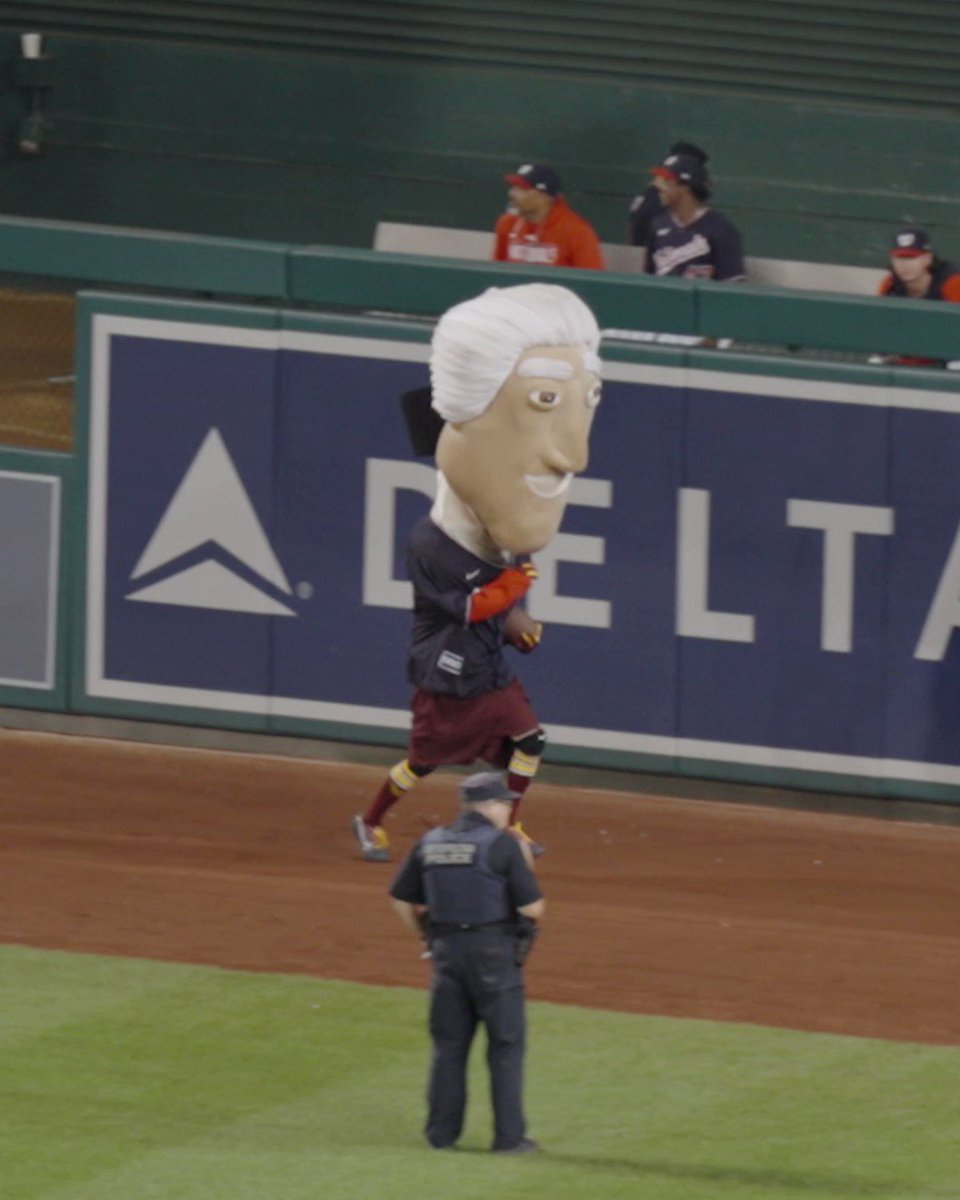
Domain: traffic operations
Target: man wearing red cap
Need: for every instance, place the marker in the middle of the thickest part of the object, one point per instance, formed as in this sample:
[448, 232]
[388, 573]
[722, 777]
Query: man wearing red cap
[689, 238]
[540, 228]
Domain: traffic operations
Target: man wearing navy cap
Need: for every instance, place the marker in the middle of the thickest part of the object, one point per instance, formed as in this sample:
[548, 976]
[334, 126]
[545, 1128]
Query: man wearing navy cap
[915, 271]
[539, 228]
[647, 205]
[469, 888]
[689, 238]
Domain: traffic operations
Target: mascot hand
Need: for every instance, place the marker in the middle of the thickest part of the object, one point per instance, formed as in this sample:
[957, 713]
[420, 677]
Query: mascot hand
[521, 631]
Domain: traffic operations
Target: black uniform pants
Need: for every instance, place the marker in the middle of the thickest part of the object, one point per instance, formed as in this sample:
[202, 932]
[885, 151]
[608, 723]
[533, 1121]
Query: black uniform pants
[476, 980]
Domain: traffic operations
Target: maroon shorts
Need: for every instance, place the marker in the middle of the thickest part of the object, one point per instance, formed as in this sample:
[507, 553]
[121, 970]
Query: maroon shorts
[448, 730]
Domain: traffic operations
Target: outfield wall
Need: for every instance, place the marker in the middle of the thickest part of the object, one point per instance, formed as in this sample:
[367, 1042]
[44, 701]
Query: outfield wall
[757, 578]
[34, 578]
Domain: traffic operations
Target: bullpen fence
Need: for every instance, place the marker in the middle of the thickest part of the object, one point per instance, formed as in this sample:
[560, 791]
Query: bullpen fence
[758, 577]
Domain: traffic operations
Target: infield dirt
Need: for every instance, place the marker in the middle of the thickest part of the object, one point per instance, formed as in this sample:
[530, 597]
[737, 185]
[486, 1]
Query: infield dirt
[679, 907]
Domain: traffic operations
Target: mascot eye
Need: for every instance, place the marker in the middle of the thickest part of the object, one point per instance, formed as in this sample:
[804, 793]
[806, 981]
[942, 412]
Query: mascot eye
[544, 400]
[593, 396]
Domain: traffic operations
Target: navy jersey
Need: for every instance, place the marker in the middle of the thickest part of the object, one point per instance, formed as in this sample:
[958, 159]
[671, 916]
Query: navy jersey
[707, 248]
[644, 210]
[448, 654]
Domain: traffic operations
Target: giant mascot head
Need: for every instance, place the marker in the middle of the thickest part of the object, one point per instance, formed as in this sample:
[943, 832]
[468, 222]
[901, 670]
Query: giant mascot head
[515, 375]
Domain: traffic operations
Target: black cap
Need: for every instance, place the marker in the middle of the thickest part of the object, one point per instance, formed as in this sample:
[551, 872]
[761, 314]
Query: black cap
[690, 149]
[909, 243]
[487, 785]
[538, 176]
[684, 168]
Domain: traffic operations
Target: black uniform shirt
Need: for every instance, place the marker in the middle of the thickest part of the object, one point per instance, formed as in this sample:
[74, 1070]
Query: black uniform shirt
[505, 858]
[644, 210]
[448, 654]
[707, 248]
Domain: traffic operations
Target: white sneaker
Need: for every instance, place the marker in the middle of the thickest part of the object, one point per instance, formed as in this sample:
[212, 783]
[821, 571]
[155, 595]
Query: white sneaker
[373, 841]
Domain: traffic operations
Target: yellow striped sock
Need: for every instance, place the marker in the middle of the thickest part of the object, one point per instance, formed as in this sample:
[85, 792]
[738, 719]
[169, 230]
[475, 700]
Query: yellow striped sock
[523, 764]
[402, 778]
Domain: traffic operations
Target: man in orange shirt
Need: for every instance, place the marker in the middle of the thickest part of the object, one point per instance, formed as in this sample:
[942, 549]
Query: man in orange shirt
[540, 228]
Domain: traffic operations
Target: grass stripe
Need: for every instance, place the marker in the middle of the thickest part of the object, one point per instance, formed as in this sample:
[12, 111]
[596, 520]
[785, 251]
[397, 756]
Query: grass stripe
[129, 1080]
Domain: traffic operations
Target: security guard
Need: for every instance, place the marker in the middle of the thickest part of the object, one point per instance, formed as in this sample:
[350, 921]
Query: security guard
[469, 889]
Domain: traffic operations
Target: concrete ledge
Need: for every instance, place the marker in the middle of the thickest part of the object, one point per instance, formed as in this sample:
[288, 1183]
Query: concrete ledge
[439, 242]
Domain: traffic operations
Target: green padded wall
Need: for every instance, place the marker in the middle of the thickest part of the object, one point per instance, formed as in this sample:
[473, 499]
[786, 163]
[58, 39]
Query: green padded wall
[886, 50]
[202, 117]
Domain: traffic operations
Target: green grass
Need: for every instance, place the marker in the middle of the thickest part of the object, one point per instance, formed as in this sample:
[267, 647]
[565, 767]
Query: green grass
[130, 1080]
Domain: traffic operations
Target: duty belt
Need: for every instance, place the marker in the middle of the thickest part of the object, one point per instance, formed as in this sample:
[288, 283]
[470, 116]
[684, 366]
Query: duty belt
[440, 928]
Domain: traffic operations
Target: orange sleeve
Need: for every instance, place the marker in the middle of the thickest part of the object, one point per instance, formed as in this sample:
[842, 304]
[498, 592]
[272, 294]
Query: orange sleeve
[586, 249]
[951, 289]
[886, 283]
[500, 238]
[511, 585]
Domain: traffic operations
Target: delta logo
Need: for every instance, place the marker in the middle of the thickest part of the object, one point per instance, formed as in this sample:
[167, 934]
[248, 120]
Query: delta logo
[209, 549]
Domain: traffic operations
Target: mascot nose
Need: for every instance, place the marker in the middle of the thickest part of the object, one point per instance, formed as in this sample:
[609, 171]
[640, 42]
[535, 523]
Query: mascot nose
[569, 453]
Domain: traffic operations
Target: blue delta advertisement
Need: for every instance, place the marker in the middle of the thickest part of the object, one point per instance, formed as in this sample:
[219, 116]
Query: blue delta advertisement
[754, 570]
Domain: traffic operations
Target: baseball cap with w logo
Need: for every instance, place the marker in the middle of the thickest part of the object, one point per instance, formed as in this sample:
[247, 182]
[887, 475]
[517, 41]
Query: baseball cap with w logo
[684, 168]
[910, 243]
[538, 176]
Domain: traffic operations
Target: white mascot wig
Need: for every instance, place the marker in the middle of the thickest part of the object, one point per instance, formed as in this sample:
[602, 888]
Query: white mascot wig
[476, 344]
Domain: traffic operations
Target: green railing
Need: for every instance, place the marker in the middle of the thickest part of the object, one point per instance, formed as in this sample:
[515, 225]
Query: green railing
[87, 254]
[337, 278]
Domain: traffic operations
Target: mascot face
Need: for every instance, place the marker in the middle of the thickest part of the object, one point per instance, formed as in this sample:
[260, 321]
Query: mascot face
[514, 463]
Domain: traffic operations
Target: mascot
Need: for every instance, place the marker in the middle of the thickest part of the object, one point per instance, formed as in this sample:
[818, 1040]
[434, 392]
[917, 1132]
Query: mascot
[515, 383]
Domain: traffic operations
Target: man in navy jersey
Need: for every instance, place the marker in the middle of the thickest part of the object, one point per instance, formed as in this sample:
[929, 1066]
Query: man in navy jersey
[515, 381]
[647, 205]
[689, 238]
